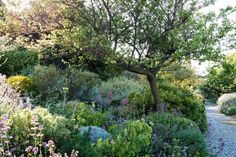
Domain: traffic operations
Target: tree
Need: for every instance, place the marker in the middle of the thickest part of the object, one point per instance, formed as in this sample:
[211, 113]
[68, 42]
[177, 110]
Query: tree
[221, 78]
[143, 36]
[147, 35]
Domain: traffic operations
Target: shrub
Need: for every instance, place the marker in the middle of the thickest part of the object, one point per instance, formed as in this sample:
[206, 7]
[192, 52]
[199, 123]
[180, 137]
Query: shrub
[181, 75]
[170, 133]
[84, 144]
[227, 103]
[34, 145]
[18, 60]
[193, 141]
[140, 103]
[95, 133]
[81, 84]
[82, 114]
[8, 97]
[86, 116]
[231, 111]
[48, 83]
[55, 127]
[184, 101]
[176, 100]
[220, 79]
[132, 140]
[118, 88]
[22, 84]
[170, 121]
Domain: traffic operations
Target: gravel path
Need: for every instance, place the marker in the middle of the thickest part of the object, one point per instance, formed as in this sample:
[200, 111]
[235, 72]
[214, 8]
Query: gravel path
[221, 136]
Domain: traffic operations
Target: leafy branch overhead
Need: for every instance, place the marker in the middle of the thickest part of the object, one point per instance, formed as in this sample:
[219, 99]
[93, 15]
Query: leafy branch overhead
[148, 35]
[141, 36]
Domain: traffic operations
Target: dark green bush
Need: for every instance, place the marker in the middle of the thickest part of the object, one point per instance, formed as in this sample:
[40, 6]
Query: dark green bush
[231, 111]
[176, 100]
[175, 136]
[184, 101]
[83, 144]
[193, 141]
[48, 83]
[18, 61]
[140, 103]
[221, 79]
[81, 84]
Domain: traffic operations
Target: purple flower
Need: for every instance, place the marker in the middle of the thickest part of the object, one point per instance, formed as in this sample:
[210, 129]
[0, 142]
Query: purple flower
[40, 127]
[35, 150]
[45, 144]
[110, 95]
[124, 101]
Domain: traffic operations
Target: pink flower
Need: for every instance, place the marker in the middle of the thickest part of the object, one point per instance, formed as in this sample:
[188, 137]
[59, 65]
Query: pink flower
[34, 119]
[51, 142]
[29, 148]
[124, 101]
[35, 150]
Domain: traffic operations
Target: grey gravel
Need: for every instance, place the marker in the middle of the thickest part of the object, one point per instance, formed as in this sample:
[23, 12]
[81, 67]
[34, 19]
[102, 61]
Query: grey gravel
[221, 136]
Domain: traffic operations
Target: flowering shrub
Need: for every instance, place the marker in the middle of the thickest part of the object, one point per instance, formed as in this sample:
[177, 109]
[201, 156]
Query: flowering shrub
[227, 103]
[174, 136]
[36, 134]
[4, 136]
[185, 102]
[117, 89]
[7, 95]
[21, 122]
[36, 146]
[22, 84]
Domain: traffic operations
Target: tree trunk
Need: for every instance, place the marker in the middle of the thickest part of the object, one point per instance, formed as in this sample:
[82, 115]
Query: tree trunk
[154, 89]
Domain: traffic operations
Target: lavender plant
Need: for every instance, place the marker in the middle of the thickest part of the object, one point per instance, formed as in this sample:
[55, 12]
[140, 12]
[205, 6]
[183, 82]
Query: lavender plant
[37, 136]
[7, 94]
[4, 136]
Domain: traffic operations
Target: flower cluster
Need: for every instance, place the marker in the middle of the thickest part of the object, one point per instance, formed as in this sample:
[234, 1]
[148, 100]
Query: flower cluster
[4, 137]
[50, 145]
[124, 101]
[7, 94]
[37, 137]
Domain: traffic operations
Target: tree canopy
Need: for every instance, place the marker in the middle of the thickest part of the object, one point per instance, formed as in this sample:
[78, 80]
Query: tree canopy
[141, 36]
